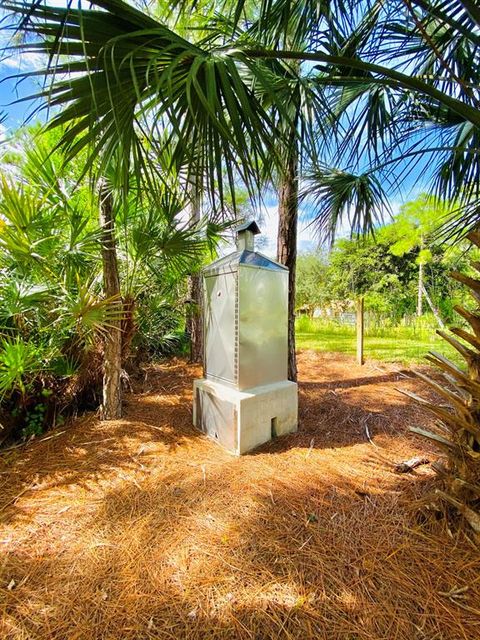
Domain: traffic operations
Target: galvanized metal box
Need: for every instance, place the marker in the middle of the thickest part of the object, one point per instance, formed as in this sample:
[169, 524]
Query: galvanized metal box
[245, 397]
[246, 321]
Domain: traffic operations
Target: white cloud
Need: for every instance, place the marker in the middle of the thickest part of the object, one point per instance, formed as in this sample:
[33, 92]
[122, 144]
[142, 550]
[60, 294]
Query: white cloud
[24, 61]
[307, 238]
[12, 58]
[266, 243]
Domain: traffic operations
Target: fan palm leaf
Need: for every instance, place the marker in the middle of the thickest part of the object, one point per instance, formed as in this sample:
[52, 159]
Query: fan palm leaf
[206, 94]
[129, 74]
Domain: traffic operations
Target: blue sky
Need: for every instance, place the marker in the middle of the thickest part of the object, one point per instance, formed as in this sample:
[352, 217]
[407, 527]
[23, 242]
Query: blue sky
[15, 114]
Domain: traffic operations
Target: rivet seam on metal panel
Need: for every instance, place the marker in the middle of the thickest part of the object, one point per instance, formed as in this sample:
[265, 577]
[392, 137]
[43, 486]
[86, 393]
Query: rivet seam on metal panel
[237, 312]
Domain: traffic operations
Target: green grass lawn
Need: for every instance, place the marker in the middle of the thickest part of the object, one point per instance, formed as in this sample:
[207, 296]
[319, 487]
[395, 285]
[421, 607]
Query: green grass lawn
[392, 344]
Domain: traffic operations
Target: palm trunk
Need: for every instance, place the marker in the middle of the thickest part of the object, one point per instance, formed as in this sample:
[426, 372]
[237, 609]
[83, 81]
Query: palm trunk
[287, 240]
[129, 327]
[112, 391]
[194, 323]
[194, 318]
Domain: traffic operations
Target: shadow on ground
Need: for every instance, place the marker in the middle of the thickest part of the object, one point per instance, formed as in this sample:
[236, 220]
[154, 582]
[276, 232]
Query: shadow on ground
[142, 528]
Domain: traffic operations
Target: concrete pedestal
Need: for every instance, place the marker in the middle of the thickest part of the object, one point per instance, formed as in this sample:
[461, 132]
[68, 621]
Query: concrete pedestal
[243, 420]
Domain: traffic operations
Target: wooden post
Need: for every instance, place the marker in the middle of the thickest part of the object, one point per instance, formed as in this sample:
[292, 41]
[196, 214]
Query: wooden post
[360, 326]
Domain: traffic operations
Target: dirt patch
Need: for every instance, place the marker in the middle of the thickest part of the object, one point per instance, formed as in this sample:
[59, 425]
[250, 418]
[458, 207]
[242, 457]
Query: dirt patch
[142, 528]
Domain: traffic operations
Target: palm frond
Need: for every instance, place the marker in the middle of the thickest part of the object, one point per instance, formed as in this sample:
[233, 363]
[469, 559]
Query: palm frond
[165, 82]
[344, 200]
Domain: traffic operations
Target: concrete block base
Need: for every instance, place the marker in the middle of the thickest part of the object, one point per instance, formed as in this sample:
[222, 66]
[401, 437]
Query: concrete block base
[243, 420]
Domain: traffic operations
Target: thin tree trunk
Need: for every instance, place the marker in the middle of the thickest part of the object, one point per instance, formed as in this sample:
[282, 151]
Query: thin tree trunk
[420, 284]
[194, 320]
[420, 290]
[112, 391]
[287, 240]
[433, 308]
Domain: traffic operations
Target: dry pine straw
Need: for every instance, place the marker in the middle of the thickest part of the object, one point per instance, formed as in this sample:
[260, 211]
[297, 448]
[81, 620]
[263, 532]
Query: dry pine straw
[142, 528]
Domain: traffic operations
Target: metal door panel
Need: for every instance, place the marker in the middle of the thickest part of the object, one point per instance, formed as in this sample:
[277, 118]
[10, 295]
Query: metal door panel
[263, 327]
[220, 326]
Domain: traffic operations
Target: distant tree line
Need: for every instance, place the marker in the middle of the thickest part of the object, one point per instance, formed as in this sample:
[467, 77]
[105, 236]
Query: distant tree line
[403, 269]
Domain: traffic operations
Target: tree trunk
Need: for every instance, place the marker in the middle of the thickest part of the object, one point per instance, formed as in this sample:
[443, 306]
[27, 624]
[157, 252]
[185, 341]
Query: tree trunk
[420, 284]
[433, 308]
[112, 391]
[287, 240]
[129, 327]
[420, 290]
[194, 320]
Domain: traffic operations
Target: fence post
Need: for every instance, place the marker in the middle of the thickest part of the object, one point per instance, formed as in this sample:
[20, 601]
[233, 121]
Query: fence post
[360, 327]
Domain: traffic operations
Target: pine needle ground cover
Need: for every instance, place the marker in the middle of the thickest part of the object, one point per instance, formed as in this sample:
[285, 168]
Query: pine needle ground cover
[142, 528]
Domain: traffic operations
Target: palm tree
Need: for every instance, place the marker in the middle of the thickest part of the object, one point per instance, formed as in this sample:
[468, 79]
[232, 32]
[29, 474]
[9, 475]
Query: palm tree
[206, 94]
[111, 408]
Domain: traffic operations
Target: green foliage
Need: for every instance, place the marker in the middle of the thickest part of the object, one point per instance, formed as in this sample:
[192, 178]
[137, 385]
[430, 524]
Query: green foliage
[311, 290]
[227, 81]
[53, 315]
[20, 361]
[160, 325]
[364, 267]
[335, 192]
[416, 223]
[385, 268]
[212, 110]
[34, 421]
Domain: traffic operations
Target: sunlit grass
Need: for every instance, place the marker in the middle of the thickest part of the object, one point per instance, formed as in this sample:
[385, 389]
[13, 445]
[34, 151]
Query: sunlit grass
[391, 344]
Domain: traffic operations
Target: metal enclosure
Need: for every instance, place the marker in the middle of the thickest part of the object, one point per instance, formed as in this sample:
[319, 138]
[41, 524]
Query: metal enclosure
[245, 320]
[220, 294]
[245, 398]
[263, 326]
